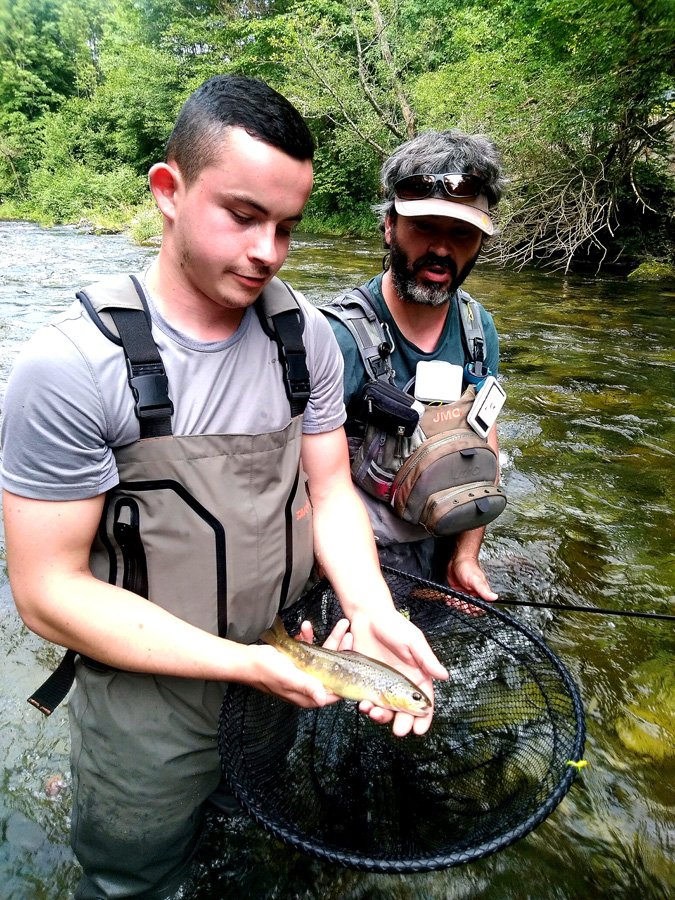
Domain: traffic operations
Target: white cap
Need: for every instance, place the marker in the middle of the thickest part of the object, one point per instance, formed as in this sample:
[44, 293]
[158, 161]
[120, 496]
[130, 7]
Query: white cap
[474, 210]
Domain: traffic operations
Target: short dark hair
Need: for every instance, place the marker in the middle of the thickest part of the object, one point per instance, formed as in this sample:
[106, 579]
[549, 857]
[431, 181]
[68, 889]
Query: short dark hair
[234, 101]
[442, 151]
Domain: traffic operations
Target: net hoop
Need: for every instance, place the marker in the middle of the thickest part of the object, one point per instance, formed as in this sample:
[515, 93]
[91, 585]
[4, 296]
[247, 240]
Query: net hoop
[238, 744]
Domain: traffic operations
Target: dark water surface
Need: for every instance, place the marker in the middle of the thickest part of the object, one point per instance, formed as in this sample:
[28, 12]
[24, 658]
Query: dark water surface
[588, 461]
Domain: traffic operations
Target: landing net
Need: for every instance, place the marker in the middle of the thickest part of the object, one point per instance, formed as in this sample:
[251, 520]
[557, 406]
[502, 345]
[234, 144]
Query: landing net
[493, 766]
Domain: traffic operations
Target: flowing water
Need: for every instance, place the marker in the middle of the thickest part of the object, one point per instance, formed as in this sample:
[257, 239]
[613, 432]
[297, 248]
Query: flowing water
[588, 453]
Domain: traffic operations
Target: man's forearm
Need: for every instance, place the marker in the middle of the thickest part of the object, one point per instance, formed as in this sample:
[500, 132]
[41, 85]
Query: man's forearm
[345, 549]
[468, 544]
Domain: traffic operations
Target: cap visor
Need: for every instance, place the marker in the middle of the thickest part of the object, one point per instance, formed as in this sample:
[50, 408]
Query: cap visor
[434, 206]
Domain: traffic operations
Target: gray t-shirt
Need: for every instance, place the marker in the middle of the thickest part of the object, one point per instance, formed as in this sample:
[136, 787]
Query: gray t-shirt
[68, 402]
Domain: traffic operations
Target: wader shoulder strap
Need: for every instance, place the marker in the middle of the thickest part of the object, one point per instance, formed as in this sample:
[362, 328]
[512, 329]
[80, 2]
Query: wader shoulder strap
[282, 320]
[472, 332]
[126, 305]
[373, 338]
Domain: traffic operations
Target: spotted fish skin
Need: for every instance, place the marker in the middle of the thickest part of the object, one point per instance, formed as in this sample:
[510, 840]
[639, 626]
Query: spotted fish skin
[350, 674]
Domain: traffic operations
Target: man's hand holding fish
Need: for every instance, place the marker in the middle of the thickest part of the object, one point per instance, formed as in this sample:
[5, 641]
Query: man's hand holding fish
[344, 547]
[396, 633]
[278, 673]
[394, 640]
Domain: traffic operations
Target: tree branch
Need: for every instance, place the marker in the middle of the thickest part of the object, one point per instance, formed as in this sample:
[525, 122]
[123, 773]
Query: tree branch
[370, 97]
[318, 74]
[387, 56]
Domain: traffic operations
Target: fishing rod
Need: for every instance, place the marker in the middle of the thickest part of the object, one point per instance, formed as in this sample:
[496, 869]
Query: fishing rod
[570, 607]
[431, 592]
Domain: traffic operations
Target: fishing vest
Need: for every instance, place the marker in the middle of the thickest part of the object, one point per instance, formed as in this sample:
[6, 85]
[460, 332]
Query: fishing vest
[215, 528]
[430, 468]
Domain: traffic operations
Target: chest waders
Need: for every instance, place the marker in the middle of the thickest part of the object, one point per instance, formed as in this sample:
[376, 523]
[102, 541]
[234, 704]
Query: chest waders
[215, 528]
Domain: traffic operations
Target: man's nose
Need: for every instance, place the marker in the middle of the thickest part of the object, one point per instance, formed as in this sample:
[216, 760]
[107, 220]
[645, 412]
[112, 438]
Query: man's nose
[441, 245]
[264, 248]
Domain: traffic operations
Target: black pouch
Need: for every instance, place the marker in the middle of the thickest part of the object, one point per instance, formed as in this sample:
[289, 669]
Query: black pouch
[389, 408]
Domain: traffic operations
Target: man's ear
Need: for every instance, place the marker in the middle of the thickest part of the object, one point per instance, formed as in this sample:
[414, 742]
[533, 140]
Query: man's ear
[387, 226]
[165, 180]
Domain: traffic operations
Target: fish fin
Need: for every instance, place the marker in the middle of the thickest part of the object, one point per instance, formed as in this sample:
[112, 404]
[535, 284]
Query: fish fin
[276, 634]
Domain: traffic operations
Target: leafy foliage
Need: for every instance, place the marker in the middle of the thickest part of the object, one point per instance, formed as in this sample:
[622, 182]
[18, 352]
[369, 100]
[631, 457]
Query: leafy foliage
[578, 96]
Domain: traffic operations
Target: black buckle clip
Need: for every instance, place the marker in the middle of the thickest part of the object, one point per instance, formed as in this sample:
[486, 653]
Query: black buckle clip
[378, 365]
[479, 358]
[150, 388]
[298, 376]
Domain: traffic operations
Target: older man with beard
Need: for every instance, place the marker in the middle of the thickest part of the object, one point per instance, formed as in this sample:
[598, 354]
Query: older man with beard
[438, 189]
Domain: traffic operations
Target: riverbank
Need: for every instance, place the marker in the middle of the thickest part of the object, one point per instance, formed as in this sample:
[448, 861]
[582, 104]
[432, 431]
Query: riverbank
[143, 225]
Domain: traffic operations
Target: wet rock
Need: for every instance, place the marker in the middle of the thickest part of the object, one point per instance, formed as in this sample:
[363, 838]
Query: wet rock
[653, 270]
[55, 785]
[647, 725]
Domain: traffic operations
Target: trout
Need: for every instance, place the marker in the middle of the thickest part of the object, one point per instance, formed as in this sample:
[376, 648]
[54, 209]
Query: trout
[350, 674]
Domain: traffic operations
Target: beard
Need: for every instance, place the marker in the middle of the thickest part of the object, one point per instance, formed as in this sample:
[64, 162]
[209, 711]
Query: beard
[409, 289]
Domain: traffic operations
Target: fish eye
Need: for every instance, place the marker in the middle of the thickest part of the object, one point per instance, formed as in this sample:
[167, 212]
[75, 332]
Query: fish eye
[416, 697]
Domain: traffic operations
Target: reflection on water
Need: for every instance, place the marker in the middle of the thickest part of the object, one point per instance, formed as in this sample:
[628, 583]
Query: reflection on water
[587, 439]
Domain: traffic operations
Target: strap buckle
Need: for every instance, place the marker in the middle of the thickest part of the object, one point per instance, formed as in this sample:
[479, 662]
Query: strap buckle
[479, 358]
[150, 388]
[298, 376]
[379, 362]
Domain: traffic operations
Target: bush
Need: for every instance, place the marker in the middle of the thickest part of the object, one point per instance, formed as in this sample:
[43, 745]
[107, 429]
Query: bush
[69, 193]
[146, 224]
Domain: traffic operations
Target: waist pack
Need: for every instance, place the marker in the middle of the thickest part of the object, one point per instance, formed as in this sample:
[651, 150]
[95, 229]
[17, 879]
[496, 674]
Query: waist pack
[442, 477]
[430, 467]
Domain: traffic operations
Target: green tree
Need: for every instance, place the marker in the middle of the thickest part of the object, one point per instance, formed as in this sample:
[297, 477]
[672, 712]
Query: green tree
[577, 95]
[47, 52]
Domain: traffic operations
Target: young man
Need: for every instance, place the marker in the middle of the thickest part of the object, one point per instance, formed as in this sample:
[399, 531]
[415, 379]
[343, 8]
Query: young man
[438, 188]
[157, 535]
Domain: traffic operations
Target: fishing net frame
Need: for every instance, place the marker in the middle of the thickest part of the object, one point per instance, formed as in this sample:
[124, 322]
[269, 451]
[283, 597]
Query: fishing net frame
[335, 785]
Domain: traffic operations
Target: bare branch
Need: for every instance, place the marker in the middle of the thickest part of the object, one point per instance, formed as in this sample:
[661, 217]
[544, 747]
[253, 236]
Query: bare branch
[633, 185]
[323, 81]
[384, 118]
[387, 56]
[569, 214]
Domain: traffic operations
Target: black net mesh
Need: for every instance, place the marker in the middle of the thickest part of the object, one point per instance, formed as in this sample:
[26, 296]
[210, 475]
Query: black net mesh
[494, 764]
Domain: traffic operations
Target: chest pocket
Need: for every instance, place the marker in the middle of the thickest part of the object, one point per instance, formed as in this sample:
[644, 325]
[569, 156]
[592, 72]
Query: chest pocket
[220, 537]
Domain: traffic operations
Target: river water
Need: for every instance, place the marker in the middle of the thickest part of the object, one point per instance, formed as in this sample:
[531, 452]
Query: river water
[588, 462]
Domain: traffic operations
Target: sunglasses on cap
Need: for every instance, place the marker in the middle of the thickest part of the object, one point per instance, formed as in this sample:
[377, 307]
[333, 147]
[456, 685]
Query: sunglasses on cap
[457, 185]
